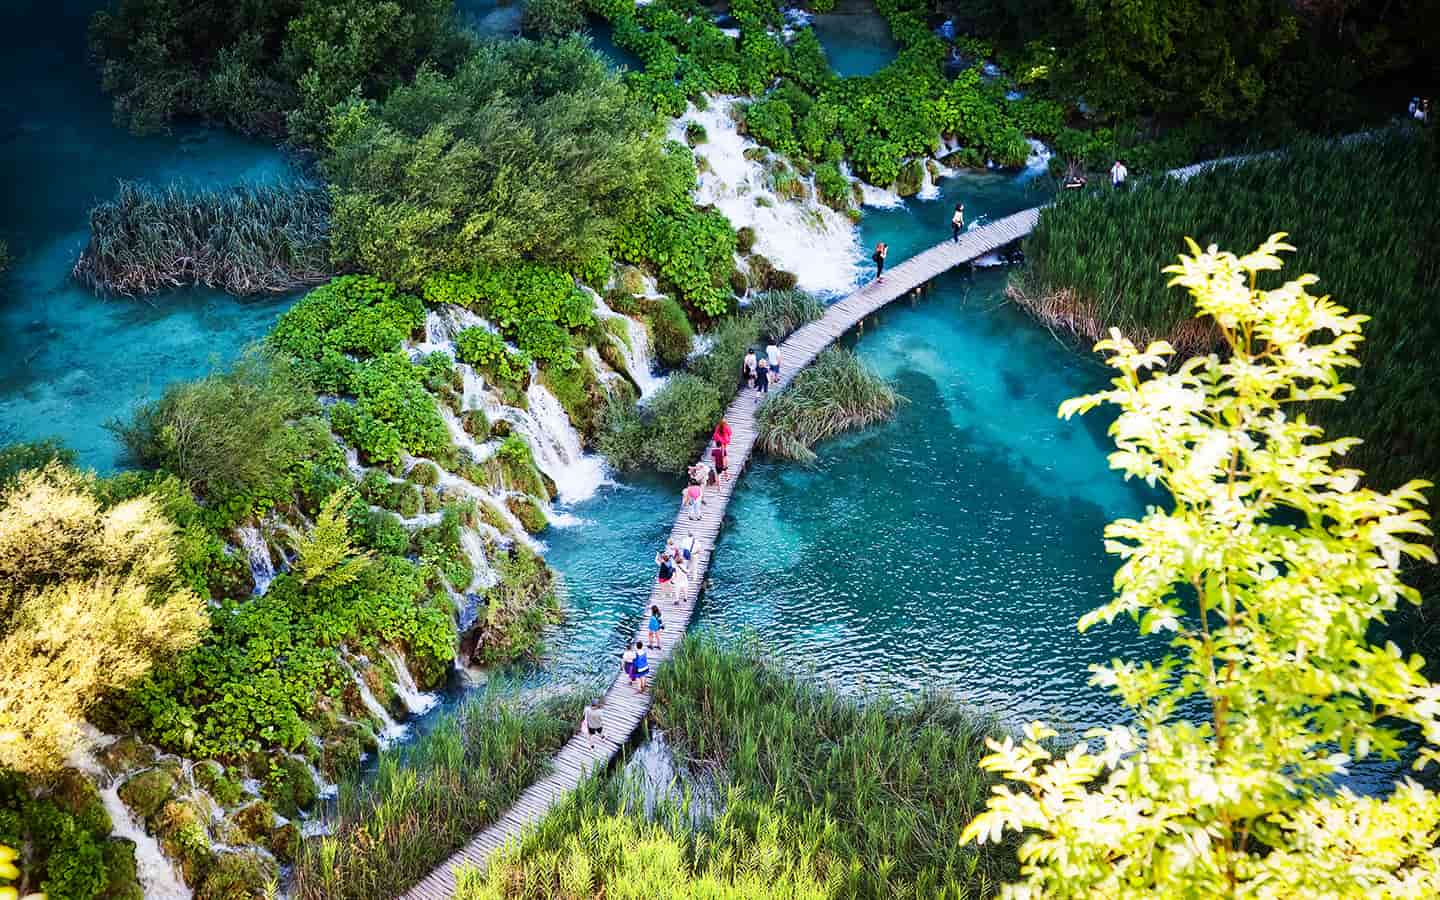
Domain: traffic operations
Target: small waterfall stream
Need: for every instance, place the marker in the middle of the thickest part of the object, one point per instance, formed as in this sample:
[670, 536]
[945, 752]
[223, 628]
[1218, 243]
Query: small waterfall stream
[390, 730]
[159, 878]
[636, 351]
[262, 567]
[416, 700]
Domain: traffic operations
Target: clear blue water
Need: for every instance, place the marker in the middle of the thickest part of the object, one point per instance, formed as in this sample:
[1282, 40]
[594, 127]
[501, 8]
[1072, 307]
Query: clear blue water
[856, 39]
[70, 361]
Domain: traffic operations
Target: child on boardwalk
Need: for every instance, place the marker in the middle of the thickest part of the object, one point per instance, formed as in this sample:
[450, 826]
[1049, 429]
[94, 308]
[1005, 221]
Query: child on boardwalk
[627, 664]
[655, 627]
[762, 378]
[748, 368]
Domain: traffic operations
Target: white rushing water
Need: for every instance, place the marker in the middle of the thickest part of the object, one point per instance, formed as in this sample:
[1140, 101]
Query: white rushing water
[416, 700]
[390, 730]
[821, 246]
[157, 876]
[262, 567]
[636, 351]
[1038, 162]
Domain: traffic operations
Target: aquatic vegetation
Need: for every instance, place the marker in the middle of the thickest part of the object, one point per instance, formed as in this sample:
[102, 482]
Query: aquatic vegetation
[89, 602]
[354, 314]
[225, 435]
[1271, 569]
[834, 394]
[777, 314]
[451, 169]
[850, 798]
[391, 830]
[249, 239]
[1356, 208]
[60, 836]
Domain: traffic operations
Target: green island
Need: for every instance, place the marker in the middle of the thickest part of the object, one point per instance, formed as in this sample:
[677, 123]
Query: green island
[386, 334]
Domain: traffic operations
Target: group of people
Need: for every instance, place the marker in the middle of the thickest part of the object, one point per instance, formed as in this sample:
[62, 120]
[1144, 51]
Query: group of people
[1420, 109]
[675, 567]
[761, 372]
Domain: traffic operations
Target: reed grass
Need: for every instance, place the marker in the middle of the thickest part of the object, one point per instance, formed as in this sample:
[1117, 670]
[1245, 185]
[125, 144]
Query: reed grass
[430, 797]
[1364, 216]
[779, 313]
[249, 239]
[838, 392]
[824, 795]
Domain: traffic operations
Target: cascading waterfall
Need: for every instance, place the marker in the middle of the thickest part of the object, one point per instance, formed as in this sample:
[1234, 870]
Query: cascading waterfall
[636, 351]
[390, 730]
[416, 700]
[554, 443]
[262, 567]
[820, 245]
[453, 483]
[156, 874]
[1038, 162]
[485, 576]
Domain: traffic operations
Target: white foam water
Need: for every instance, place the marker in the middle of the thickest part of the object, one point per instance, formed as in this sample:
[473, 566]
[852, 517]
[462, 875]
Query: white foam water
[636, 351]
[820, 245]
[390, 730]
[157, 876]
[1038, 162]
[416, 700]
[262, 567]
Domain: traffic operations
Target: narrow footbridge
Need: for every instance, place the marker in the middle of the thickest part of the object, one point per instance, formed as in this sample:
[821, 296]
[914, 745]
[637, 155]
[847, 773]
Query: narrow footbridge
[624, 708]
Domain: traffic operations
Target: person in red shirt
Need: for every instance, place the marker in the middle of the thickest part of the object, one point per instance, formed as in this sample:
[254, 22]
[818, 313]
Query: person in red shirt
[717, 454]
[722, 435]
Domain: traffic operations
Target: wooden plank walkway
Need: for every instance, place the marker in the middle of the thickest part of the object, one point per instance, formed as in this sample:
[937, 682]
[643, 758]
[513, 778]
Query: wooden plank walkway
[625, 709]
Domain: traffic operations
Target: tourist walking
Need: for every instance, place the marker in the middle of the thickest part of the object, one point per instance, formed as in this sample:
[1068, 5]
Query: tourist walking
[687, 552]
[681, 583]
[957, 222]
[749, 368]
[665, 561]
[772, 354]
[762, 377]
[718, 461]
[627, 663]
[1118, 174]
[641, 667]
[592, 722]
[691, 498]
[654, 628]
[880, 251]
[721, 436]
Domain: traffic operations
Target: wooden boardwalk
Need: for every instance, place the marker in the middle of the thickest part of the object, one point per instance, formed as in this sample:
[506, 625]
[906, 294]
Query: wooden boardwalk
[624, 708]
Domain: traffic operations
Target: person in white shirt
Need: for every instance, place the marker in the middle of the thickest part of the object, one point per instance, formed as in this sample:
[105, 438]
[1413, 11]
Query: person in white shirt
[957, 222]
[772, 356]
[1118, 174]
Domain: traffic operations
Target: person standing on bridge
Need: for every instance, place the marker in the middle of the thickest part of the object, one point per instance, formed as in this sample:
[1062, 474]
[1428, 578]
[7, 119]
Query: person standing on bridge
[691, 498]
[880, 250]
[762, 377]
[654, 627]
[717, 457]
[721, 437]
[641, 666]
[748, 368]
[1118, 174]
[957, 222]
[772, 354]
[666, 576]
[592, 723]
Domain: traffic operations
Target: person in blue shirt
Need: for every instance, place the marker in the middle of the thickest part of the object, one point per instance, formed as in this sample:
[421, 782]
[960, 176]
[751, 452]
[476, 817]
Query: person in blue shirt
[641, 666]
[655, 628]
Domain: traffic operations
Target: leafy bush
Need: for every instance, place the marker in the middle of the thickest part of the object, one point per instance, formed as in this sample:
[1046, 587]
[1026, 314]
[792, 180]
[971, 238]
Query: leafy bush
[392, 412]
[16, 458]
[670, 331]
[64, 830]
[553, 18]
[719, 367]
[834, 394]
[248, 239]
[486, 351]
[352, 315]
[451, 168]
[670, 432]
[695, 133]
[224, 435]
[744, 239]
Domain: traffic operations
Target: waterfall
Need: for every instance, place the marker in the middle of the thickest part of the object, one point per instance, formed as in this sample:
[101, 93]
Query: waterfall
[1038, 162]
[820, 245]
[554, 443]
[390, 730]
[485, 576]
[262, 567]
[454, 484]
[636, 351]
[929, 190]
[442, 324]
[416, 700]
[156, 874]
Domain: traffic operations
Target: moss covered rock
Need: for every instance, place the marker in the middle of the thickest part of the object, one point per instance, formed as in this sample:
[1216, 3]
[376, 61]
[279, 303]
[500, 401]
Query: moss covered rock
[531, 516]
[290, 787]
[285, 842]
[148, 791]
[254, 822]
[425, 474]
[210, 776]
[125, 754]
[121, 879]
[632, 280]
[745, 239]
[911, 178]
[79, 796]
[239, 876]
[181, 829]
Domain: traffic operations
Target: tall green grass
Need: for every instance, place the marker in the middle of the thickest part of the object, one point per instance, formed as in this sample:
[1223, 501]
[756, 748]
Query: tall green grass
[250, 239]
[1364, 216]
[777, 314]
[430, 797]
[836, 393]
[824, 796]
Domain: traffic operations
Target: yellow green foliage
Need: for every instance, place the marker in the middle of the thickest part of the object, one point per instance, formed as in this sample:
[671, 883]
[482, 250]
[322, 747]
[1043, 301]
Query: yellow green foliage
[88, 602]
[326, 555]
[1269, 570]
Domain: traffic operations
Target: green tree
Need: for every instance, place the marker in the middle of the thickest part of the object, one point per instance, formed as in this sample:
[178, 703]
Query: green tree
[1270, 569]
[88, 603]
